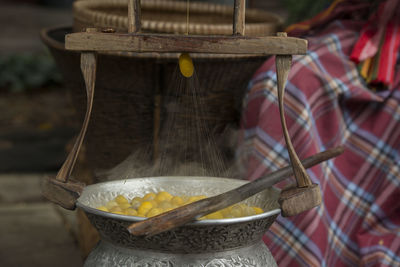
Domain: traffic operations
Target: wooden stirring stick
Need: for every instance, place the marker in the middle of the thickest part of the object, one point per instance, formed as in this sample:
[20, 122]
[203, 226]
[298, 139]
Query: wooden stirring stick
[190, 212]
[306, 195]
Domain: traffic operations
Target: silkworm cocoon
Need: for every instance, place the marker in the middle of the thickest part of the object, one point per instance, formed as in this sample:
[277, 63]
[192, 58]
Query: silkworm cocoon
[186, 65]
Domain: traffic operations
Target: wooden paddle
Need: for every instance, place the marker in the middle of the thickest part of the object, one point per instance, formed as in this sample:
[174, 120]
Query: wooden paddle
[192, 211]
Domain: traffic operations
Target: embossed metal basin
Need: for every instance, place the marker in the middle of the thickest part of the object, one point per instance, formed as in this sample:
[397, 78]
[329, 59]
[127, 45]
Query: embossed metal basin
[225, 242]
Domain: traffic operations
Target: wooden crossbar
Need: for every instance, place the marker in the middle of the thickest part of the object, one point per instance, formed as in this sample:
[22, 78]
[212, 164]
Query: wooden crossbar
[141, 42]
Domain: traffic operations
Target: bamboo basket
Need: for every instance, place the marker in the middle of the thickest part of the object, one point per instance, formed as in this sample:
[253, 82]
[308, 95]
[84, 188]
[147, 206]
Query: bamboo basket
[170, 17]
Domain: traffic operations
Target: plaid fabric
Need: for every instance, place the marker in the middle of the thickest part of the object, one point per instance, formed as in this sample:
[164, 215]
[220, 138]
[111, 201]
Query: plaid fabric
[339, 9]
[378, 43]
[327, 104]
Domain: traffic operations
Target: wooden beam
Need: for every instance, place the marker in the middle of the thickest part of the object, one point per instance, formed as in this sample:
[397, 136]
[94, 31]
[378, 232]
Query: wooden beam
[239, 17]
[268, 45]
[134, 16]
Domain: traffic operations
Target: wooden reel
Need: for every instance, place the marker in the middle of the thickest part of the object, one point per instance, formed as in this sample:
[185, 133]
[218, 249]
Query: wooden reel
[63, 192]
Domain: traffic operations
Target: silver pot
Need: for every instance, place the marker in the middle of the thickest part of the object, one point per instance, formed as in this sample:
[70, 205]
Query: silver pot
[211, 243]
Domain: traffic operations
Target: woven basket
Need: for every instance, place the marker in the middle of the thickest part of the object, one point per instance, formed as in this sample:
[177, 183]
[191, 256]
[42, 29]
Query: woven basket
[170, 17]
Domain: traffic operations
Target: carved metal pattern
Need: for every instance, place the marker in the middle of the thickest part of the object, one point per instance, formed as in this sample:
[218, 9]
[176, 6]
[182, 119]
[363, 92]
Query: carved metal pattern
[108, 255]
[185, 239]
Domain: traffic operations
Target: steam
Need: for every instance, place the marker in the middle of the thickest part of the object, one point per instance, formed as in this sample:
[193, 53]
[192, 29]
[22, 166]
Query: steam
[193, 140]
[172, 165]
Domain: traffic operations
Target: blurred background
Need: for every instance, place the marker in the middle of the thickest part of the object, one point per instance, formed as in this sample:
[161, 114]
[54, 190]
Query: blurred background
[38, 121]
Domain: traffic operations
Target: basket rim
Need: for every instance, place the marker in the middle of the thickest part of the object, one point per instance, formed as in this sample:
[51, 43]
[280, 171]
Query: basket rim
[83, 11]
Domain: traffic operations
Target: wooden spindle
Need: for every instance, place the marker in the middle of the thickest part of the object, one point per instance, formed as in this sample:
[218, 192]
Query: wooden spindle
[239, 14]
[134, 16]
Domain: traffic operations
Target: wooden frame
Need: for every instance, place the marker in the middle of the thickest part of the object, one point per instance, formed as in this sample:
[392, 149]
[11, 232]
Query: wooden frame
[134, 16]
[268, 45]
[64, 192]
[239, 11]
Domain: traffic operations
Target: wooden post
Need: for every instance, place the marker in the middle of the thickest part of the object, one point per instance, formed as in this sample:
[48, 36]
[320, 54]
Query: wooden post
[88, 67]
[134, 16]
[239, 14]
[306, 195]
[283, 64]
[61, 190]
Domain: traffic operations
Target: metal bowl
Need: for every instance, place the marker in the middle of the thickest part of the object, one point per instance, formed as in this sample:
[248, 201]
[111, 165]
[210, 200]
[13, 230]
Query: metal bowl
[200, 237]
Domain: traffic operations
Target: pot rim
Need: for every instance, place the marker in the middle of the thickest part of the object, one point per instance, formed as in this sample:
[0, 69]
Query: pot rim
[205, 222]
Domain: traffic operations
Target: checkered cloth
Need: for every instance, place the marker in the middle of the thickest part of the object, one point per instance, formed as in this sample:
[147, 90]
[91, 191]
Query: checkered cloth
[328, 104]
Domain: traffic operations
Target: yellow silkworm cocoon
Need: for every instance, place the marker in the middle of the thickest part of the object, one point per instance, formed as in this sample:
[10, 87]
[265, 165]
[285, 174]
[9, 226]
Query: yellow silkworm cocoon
[111, 204]
[257, 210]
[115, 209]
[124, 206]
[135, 203]
[149, 196]
[186, 65]
[163, 196]
[130, 212]
[177, 201]
[102, 208]
[153, 204]
[145, 207]
[215, 216]
[120, 199]
[154, 212]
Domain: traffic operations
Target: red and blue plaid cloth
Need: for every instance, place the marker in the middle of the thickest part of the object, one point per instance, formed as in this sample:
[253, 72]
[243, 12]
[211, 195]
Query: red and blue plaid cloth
[327, 104]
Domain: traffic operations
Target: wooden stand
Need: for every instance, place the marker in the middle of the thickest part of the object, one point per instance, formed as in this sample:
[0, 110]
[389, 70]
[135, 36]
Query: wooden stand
[293, 201]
